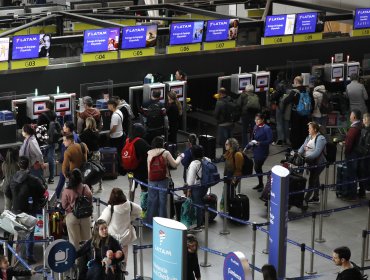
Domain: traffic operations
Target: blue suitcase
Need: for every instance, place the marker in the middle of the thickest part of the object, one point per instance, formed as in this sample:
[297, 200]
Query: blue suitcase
[108, 158]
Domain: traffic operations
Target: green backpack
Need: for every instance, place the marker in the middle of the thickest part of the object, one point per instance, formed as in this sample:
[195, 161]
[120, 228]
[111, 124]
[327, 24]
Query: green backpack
[253, 102]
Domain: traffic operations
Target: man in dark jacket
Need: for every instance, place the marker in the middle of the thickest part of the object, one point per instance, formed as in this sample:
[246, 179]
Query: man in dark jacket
[26, 192]
[348, 271]
[223, 116]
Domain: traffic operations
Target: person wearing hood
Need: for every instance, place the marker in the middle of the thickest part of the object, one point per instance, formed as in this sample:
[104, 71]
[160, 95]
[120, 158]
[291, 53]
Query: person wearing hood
[22, 188]
[318, 93]
[157, 199]
[89, 112]
[119, 214]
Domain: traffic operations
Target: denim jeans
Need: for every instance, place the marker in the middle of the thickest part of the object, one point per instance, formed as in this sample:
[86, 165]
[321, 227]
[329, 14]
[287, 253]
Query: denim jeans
[29, 246]
[282, 126]
[51, 160]
[224, 133]
[197, 195]
[61, 182]
[157, 200]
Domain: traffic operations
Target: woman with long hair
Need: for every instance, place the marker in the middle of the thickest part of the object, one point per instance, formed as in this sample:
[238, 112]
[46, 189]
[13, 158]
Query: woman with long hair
[174, 111]
[31, 149]
[78, 229]
[119, 215]
[96, 248]
[9, 167]
[90, 136]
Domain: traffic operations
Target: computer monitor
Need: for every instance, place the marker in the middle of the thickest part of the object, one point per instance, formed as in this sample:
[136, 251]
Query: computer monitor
[361, 19]
[101, 40]
[141, 36]
[337, 72]
[159, 89]
[31, 46]
[239, 82]
[186, 32]
[279, 25]
[352, 68]
[62, 105]
[179, 90]
[243, 82]
[149, 89]
[262, 81]
[39, 107]
[221, 30]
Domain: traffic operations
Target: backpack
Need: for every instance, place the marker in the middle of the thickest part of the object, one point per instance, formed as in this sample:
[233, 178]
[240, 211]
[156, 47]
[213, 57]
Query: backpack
[92, 171]
[54, 131]
[363, 146]
[127, 116]
[304, 106]
[210, 175]
[157, 168]
[247, 165]
[232, 112]
[154, 115]
[129, 161]
[253, 102]
[325, 106]
[82, 208]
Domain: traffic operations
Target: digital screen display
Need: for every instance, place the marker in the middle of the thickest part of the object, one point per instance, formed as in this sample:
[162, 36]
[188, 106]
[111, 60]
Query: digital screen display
[179, 90]
[161, 90]
[222, 30]
[337, 72]
[101, 40]
[4, 49]
[137, 37]
[31, 46]
[279, 25]
[186, 33]
[262, 81]
[39, 107]
[243, 82]
[62, 105]
[306, 23]
[354, 69]
[362, 18]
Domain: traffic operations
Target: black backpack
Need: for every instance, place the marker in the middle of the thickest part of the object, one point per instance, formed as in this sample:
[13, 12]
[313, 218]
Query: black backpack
[325, 106]
[82, 208]
[155, 117]
[54, 130]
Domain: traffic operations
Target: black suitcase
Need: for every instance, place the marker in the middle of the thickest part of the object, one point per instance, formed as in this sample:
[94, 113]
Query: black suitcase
[296, 183]
[239, 207]
[108, 158]
[177, 207]
[211, 199]
[344, 190]
[331, 152]
[208, 143]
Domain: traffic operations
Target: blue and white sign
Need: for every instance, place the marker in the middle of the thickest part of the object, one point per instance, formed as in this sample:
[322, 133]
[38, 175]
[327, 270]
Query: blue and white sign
[362, 18]
[279, 199]
[306, 23]
[61, 256]
[279, 25]
[236, 267]
[169, 247]
[186, 33]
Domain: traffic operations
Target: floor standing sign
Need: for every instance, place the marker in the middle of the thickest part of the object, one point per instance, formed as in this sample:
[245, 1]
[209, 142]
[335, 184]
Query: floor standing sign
[278, 218]
[169, 249]
[236, 267]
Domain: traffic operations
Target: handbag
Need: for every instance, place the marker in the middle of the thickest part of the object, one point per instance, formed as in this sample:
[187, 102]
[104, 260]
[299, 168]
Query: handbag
[13, 223]
[92, 171]
[298, 160]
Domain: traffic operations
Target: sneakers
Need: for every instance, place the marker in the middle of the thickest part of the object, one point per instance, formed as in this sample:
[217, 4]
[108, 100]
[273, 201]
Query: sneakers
[50, 181]
[277, 143]
[258, 187]
[314, 200]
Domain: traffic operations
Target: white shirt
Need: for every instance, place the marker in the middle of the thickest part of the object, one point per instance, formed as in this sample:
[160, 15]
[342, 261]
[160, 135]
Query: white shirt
[194, 172]
[310, 146]
[116, 119]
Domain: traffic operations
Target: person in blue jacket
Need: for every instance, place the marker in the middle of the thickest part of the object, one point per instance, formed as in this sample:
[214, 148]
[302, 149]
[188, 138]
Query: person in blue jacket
[313, 150]
[188, 157]
[261, 140]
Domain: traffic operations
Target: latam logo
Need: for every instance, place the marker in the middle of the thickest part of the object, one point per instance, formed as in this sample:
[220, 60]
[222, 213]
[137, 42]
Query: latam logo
[182, 26]
[97, 33]
[276, 18]
[27, 39]
[361, 12]
[218, 23]
[139, 29]
[307, 16]
[162, 237]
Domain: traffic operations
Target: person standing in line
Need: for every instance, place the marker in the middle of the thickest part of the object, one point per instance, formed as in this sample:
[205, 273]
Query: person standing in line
[89, 111]
[193, 270]
[188, 157]
[357, 95]
[90, 136]
[116, 133]
[269, 272]
[78, 229]
[318, 95]
[9, 167]
[363, 150]
[74, 156]
[174, 111]
[341, 258]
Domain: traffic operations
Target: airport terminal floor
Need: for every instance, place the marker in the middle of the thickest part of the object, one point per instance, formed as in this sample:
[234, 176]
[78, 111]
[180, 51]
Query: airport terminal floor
[339, 229]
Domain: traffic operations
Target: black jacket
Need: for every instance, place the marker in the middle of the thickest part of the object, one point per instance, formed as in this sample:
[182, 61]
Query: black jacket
[193, 266]
[221, 112]
[46, 117]
[91, 139]
[10, 272]
[141, 149]
[350, 274]
[22, 186]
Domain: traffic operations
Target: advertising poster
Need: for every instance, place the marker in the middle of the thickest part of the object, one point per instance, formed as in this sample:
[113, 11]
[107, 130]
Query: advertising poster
[306, 23]
[31, 46]
[168, 249]
[279, 25]
[4, 49]
[101, 40]
[222, 30]
[236, 267]
[186, 33]
[136, 37]
[362, 18]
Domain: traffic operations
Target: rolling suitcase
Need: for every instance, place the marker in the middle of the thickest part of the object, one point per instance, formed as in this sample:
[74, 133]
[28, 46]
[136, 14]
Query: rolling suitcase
[211, 200]
[239, 207]
[108, 158]
[208, 143]
[343, 190]
[177, 205]
[296, 183]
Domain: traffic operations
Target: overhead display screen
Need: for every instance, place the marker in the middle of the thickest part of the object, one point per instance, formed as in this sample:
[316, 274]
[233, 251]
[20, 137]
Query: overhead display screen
[31, 46]
[186, 33]
[4, 49]
[101, 40]
[306, 23]
[136, 37]
[279, 25]
[222, 30]
[362, 18]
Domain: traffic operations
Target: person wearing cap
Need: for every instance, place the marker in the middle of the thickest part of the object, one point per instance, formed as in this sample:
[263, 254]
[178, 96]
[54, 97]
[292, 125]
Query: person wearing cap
[88, 112]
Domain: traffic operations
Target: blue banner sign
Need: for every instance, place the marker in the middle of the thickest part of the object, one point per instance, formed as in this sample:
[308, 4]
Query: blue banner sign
[169, 249]
[278, 218]
[186, 33]
[31, 46]
[362, 18]
[221, 30]
[101, 40]
[236, 267]
[279, 25]
[137, 37]
[306, 23]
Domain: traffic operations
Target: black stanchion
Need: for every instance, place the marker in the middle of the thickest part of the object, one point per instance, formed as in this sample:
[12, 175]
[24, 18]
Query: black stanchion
[303, 250]
[364, 237]
[134, 251]
[206, 225]
[368, 228]
[320, 239]
[254, 248]
[267, 249]
[225, 231]
[311, 272]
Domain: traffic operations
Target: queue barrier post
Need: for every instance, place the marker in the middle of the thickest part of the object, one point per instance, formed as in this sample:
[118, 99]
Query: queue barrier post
[5, 248]
[254, 237]
[45, 235]
[266, 251]
[326, 191]
[367, 236]
[131, 189]
[320, 239]
[364, 237]
[303, 250]
[141, 251]
[239, 186]
[224, 220]
[98, 206]
[206, 225]
[134, 251]
[311, 272]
